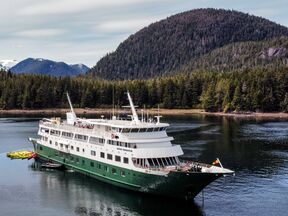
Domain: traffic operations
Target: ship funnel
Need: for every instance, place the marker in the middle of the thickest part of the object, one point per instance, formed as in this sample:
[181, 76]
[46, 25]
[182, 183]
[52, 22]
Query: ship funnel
[134, 113]
[71, 116]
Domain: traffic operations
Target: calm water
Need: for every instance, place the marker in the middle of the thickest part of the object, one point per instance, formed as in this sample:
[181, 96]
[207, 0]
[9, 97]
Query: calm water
[257, 151]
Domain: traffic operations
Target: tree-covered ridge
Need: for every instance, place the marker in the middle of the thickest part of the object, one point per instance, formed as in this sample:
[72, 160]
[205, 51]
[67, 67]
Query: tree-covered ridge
[241, 55]
[257, 89]
[169, 44]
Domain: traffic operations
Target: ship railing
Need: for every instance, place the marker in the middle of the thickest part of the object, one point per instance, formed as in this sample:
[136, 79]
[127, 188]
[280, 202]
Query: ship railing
[67, 127]
[158, 168]
[191, 166]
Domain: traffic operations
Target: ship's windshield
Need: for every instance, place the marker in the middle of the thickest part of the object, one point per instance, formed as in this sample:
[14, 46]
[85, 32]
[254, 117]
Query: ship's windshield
[155, 162]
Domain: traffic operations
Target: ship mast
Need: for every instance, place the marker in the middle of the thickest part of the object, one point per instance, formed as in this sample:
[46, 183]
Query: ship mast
[134, 113]
[70, 104]
[71, 116]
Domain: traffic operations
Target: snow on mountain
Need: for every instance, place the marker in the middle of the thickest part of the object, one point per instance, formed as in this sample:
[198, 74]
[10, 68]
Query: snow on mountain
[6, 64]
[48, 67]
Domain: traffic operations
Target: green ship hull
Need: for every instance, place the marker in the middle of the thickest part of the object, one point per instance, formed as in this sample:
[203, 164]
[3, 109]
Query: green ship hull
[183, 185]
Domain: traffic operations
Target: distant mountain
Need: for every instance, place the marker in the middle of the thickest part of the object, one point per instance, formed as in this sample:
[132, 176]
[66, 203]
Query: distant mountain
[165, 46]
[48, 67]
[7, 64]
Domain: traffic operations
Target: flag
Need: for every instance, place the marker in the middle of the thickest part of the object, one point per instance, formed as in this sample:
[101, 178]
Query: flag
[216, 162]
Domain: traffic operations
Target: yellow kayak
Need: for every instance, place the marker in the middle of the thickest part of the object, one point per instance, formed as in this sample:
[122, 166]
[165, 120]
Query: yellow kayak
[21, 155]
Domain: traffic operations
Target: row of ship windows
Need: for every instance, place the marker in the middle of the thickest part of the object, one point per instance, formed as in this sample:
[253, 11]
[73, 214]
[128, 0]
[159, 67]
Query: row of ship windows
[140, 130]
[106, 168]
[79, 137]
[85, 138]
[93, 153]
[99, 141]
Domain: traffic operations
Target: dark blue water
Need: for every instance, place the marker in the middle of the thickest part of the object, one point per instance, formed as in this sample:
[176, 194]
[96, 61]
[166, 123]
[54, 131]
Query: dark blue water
[256, 150]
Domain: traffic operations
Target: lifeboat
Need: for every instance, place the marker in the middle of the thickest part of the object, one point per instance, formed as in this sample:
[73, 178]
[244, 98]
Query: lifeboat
[21, 155]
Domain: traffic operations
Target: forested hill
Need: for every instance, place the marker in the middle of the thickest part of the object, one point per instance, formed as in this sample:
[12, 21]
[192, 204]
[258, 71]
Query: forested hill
[241, 55]
[255, 89]
[170, 44]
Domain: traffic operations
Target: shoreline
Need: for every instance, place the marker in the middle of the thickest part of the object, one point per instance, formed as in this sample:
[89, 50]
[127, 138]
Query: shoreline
[167, 112]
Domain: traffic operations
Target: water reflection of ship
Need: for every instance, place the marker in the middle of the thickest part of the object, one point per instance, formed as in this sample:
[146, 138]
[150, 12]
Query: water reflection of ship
[96, 198]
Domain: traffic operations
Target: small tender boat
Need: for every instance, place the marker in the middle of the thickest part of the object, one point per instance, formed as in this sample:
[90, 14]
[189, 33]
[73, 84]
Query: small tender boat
[52, 165]
[21, 155]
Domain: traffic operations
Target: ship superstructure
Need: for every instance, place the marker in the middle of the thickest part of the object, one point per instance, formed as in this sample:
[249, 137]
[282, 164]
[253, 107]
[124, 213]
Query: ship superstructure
[136, 154]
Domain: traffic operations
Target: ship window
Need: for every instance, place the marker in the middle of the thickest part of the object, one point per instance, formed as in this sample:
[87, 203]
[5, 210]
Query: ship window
[122, 173]
[155, 161]
[99, 166]
[41, 148]
[56, 143]
[50, 142]
[95, 140]
[162, 161]
[125, 160]
[125, 130]
[44, 130]
[92, 164]
[114, 171]
[61, 145]
[102, 155]
[77, 149]
[174, 160]
[106, 169]
[80, 137]
[83, 150]
[117, 158]
[93, 152]
[55, 132]
[72, 147]
[83, 162]
[134, 130]
[67, 135]
[109, 156]
[150, 162]
[166, 161]
[101, 140]
[142, 130]
[169, 161]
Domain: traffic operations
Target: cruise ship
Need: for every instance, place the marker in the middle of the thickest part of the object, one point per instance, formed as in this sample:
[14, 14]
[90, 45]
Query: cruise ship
[135, 153]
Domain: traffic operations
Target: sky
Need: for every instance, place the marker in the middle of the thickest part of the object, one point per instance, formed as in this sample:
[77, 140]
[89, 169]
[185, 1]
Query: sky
[83, 31]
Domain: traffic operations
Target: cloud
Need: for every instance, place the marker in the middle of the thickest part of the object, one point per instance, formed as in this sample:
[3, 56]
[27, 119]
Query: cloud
[85, 30]
[69, 6]
[125, 24]
[39, 33]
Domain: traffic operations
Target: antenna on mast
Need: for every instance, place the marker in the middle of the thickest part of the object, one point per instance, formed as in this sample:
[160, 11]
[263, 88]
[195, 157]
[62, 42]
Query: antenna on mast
[113, 111]
[158, 116]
